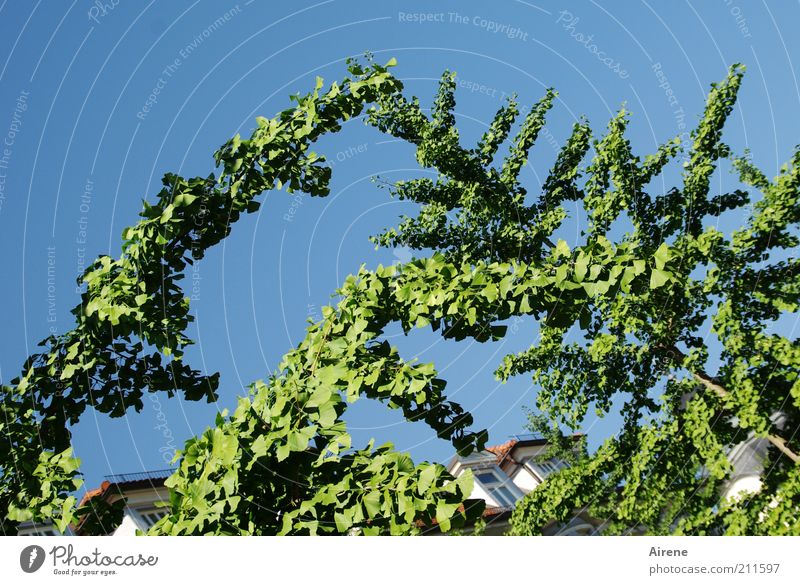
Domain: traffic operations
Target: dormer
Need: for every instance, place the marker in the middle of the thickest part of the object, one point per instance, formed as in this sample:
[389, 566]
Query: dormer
[491, 484]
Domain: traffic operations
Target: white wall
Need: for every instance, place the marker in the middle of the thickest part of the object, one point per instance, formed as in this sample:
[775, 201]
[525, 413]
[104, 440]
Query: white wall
[128, 527]
[751, 483]
[478, 493]
[145, 499]
[525, 480]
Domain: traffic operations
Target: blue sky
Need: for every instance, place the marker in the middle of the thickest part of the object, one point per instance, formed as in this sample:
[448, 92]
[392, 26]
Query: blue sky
[86, 148]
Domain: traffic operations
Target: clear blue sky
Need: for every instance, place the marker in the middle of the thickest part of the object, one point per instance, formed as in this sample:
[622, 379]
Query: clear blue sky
[84, 152]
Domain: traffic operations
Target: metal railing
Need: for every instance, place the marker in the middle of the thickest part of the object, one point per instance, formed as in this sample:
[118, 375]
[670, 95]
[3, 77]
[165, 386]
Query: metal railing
[140, 476]
[528, 437]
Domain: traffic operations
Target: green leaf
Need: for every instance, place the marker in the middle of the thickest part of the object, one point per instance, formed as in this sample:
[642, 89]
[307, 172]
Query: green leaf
[298, 441]
[426, 478]
[327, 415]
[259, 446]
[372, 503]
[343, 523]
[166, 215]
[662, 255]
[331, 375]
[581, 266]
[444, 513]
[224, 447]
[659, 278]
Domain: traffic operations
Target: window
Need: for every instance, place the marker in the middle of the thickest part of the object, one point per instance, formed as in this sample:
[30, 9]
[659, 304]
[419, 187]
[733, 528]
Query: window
[577, 530]
[546, 466]
[150, 517]
[496, 487]
[42, 530]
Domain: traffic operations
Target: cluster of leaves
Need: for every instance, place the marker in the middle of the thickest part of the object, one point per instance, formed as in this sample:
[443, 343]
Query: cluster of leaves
[283, 463]
[101, 515]
[666, 470]
[130, 338]
[645, 308]
[641, 303]
[636, 300]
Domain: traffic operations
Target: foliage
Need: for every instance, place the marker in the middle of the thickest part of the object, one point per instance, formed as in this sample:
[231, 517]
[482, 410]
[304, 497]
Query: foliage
[282, 463]
[642, 303]
[99, 517]
[649, 293]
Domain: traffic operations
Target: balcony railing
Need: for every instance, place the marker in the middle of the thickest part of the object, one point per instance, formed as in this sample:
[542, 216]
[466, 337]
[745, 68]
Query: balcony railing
[528, 437]
[157, 474]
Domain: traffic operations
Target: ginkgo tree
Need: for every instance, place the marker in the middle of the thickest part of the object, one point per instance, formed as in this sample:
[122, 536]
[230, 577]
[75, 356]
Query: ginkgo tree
[283, 462]
[627, 318]
[640, 306]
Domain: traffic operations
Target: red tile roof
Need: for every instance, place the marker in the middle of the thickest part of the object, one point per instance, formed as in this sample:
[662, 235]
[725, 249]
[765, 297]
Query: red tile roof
[95, 492]
[500, 451]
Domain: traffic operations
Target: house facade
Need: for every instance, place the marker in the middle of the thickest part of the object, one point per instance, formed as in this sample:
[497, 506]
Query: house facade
[144, 494]
[505, 473]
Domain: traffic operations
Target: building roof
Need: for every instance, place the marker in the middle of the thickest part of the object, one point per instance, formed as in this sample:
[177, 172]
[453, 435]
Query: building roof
[504, 450]
[117, 485]
[500, 451]
[101, 491]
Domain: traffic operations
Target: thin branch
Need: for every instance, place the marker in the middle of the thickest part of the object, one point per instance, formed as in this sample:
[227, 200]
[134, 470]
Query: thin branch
[713, 384]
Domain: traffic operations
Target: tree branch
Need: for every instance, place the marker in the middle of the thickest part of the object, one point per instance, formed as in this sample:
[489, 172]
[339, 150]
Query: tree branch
[713, 384]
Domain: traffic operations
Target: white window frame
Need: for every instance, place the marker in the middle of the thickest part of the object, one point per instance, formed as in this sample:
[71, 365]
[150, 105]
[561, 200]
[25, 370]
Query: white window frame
[508, 500]
[546, 467]
[144, 519]
[584, 529]
[41, 530]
